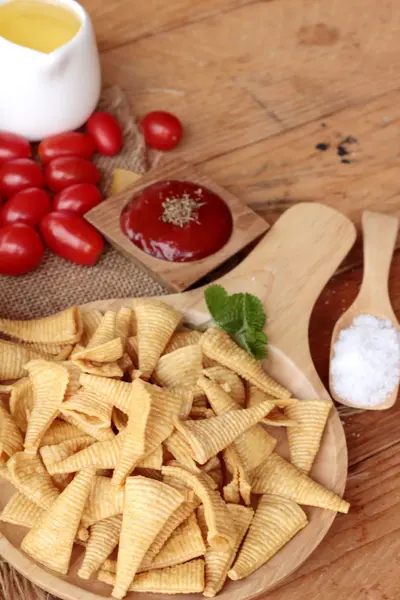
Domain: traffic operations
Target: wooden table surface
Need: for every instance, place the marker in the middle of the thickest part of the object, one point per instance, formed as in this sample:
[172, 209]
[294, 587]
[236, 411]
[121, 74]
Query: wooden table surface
[259, 84]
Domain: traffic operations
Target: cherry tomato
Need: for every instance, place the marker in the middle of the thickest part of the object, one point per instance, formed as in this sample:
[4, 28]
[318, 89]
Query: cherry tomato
[13, 146]
[78, 198]
[161, 130]
[106, 132]
[21, 249]
[66, 144]
[27, 206]
[71, 237]
[65, 171]
[18, 174]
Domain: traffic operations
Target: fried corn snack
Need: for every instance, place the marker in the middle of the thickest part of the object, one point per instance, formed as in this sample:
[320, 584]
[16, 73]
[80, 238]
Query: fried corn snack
[103, 335]
[181, 339]
[219, 521]
[156, 322]
[217, 564]
[13, 360]
[91, 319]
[100, 455]
[154, 460]
[209, 436]
[49, 381]
[104, 538]
[177, 445]
[305, 438]
[213, 469]
[131, 348]
[123, 324]
[56, 352]
[274, 524]
[19, 510]
[140, 526]
[217, 345]
[21, 402]
[117, 393]
[51, 540]
[229, 381]
[51, 455]
[184, 544]
[133, 447]
[253, 446]
[187, 578]
[62, 328]
[180, 368]
[179, 515]
[275, 418]
[89, 412]
[187, 396]
[10, 436]
[60, 431]
[105, 500]
[28, 474]
[277, 476]
[239, 486]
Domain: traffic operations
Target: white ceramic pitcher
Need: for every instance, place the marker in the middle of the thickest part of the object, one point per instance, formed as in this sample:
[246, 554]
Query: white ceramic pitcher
[45, 94]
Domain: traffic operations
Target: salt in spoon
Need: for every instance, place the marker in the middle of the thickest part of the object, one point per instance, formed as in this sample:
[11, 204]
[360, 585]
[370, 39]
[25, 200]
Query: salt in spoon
[379, 238]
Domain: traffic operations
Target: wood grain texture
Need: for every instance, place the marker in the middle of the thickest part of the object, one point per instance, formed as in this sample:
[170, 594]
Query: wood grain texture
[277, 270]
[177, 277]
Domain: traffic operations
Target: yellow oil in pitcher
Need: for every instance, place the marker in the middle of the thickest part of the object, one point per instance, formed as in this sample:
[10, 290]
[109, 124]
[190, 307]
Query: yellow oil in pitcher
[41, 26]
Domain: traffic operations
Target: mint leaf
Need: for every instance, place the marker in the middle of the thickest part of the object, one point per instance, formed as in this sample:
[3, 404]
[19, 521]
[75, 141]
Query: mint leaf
[241, 315]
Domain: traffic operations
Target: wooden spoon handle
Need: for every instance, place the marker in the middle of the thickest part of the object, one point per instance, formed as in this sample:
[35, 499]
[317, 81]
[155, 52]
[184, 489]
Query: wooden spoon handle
[380, 234]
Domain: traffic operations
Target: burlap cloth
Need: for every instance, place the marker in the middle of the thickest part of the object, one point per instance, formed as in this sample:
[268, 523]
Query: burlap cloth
[58, 284]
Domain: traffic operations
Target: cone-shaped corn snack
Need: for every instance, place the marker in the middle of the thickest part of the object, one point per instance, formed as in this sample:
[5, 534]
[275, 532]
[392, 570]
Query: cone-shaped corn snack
[274, 524]
[174, 521]
[105, 500]
[49, 381]
[140, 526]
[60, 431]
[305, 438]
[21, 402]
[239, 487]
[51, 351]
[217, 345]
[187, 578]
[10, 436]
[104, 346]
[21, 511]
[13, 360]
[91, 319]
[154, 460]
[180, 368]
[177, 445]
[89, 412]
[209, 436]
[213, 469]
[51, 455]
[253, 446]
[219, 521]
[229, 381]
[123, 324]
[51, 540]
[62, 328]
[100, 455]
[277, 476]
[29, 476]
[156, 322]
[180, 339]
[104, 538]
[184, 544]
[275, 418]
[217, 564]
[117, 393]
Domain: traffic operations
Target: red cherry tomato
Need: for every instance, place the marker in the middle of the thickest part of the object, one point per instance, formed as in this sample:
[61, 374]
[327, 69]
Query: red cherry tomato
[21, 249]
[19, 174]
[106, 132]
[27, 206]
[65, 171]
[66, 144]
[161, 130]
[71, 237]
[13, 146]
[78, 198]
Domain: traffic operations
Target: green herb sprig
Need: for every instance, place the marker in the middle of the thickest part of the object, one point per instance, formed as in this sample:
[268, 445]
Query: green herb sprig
[242, 316]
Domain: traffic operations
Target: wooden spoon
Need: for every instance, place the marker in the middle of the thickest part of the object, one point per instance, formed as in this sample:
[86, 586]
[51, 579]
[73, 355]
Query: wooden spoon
[380, 233]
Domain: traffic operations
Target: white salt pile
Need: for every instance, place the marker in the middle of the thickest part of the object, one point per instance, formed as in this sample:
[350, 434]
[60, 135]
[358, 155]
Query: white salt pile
[366, 365]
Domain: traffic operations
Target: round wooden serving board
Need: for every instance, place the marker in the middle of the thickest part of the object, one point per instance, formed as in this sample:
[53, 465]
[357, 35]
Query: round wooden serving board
[287, 270]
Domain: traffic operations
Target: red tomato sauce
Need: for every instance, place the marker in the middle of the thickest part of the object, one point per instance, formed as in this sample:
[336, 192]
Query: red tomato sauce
[178, 221]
